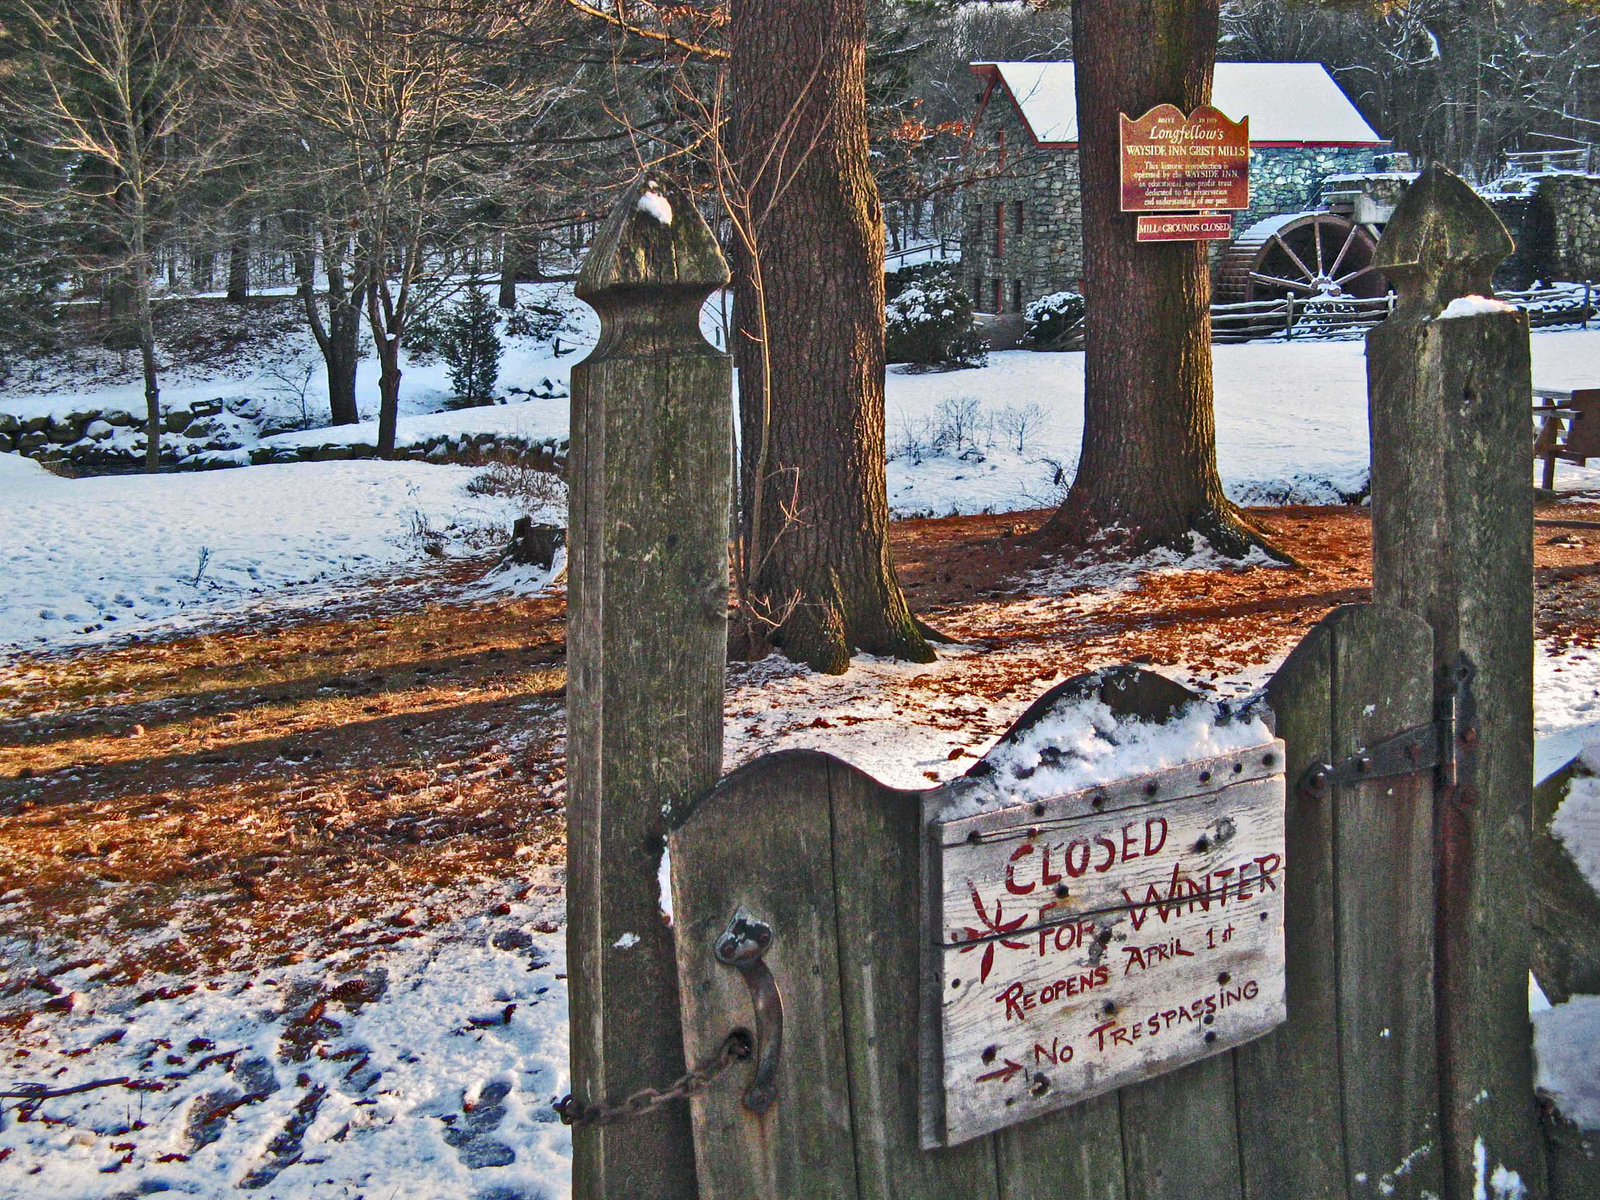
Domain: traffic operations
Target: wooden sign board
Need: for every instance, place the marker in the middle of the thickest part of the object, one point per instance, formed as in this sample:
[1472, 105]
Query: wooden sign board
[1094, 939]
[1172, 162]
[1184, 227]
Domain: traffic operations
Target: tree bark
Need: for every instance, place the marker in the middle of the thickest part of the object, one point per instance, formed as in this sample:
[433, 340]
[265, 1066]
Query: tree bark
[1147, 474]
[510, 260]
[146, 332]
[387, 345]
[338, 336]
[810, 350]
[239, 266]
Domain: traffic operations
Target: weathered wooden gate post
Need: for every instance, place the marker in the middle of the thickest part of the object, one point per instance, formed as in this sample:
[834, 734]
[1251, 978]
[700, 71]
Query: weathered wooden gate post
[1452, 540]
[649, 480]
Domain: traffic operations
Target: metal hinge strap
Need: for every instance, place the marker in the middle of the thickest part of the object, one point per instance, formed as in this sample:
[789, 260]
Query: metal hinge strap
[1405, 753]
[1436, 745]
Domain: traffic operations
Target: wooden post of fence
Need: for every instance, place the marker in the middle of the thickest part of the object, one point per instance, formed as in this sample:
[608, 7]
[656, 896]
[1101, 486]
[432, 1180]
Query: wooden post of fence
[1452, 540]
[649, 485]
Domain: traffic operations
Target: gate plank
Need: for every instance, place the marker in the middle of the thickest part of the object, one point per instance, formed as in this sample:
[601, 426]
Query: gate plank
[778, 810]
[1075, 1154]
[1179, 1134]
[1383, 864]
[1287, 1079]
[877, 846]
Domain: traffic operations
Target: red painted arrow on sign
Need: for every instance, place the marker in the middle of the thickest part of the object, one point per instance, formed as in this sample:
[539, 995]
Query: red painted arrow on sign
[1004, 1073]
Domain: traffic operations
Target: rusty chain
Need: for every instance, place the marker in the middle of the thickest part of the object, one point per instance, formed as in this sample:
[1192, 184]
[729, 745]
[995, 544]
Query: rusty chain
[736, 1047]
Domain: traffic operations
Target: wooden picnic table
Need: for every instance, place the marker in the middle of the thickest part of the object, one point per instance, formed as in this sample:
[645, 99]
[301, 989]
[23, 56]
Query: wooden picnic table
[1568, 428]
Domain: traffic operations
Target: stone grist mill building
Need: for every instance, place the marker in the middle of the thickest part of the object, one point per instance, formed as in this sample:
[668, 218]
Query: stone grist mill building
[1022, 231]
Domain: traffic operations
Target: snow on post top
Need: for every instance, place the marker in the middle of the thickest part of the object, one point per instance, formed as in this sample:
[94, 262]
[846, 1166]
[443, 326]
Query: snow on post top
[654, 237]
[1443, 242]
[655, 204]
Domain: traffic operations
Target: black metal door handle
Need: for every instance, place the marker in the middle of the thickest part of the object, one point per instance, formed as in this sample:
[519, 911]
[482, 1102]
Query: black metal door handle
[742, 946]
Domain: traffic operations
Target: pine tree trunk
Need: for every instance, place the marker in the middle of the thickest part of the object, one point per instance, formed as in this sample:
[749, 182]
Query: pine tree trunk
[510, 255]
[388, 392]
[202, 268]
[810, 307]
[1148, 471]
[239, 266]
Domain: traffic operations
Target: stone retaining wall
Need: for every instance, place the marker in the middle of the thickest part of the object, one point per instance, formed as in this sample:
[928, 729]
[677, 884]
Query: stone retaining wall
[211, 434]
[1286, 179]
[1570, 204]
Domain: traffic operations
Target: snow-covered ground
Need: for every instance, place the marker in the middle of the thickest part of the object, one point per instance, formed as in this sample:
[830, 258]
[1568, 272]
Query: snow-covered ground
[439, 1058]
[1291, 427]
[87, 560]
[1291, 416]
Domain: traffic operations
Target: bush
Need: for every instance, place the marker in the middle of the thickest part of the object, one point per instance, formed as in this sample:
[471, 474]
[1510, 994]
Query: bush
[930, 323]
[1050, 317]
[895, 282]
[470, 346]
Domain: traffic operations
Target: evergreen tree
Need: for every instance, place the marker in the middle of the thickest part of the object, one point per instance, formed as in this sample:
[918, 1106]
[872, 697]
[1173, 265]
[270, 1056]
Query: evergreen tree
[470, 345]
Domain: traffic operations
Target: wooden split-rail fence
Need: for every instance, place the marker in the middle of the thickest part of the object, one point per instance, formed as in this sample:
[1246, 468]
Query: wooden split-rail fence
[1355, 1023]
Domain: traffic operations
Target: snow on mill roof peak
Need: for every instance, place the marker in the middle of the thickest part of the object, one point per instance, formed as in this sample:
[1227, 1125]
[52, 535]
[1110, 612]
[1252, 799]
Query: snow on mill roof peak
[1289, 104]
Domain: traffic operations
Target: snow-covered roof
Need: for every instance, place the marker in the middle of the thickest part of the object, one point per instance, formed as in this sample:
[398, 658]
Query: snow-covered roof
[1289, 104]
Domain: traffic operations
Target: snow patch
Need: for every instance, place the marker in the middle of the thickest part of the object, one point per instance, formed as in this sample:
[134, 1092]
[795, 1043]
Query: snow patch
[1538, 1002]
[1472, 306]
[654, 204]
[1088, 745]
[1566, 1048]
[627, 941]
[522, 579]
[1088, 572]
[1502, 1184]
[90, 559]
[1387, 1184]
[664, 883]
[1577, 821]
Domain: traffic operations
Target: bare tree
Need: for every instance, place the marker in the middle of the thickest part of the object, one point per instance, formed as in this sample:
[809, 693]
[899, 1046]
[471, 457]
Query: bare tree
[1451, 81]
[391, 103]
[120, 98]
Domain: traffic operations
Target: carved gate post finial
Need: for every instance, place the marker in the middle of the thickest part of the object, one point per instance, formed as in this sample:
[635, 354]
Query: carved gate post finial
[1443, 241]
[655, 237]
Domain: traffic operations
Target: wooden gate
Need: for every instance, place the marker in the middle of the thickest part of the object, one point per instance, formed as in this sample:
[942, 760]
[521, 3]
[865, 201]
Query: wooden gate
[1341, 1101]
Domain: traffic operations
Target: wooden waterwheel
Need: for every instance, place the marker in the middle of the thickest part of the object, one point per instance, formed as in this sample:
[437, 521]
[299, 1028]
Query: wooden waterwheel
[1320, 256]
